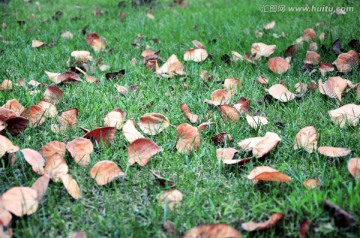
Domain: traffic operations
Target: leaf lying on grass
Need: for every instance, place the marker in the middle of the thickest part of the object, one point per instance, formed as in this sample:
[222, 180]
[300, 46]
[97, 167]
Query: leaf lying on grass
[171, 198]
[349, 113]
[212, 231]
[141, 150]
[153, 123]
[333, 151]
[35, 159]
[189, 138]
[80, 149]
[105, 171]
[266, 173]
[253, 226]
[130, 131]
[260, 146]
[306, 138]
[20, 201]
[354, 167]
[281, 93]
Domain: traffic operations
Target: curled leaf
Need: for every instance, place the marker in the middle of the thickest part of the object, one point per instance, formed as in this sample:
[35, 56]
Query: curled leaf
[53, 149]
[221, 138]
[232, 84]
[229, 113]
[333, 151]
[354, 167]
[171, 67]
[260, 49]
[196, 55]
[141, 150]
[35, 115]
[35, 159]
[312, 58]
[130, 131]
[219, 97]
[95, 42]
[105, 171]
[349, 113]
[225, 154]
[256, 121]
[115, 118]
[56, 167]
[333, 87]
[6, 85]
[306, 138]
[82, 56]
[253, 226]
[102, 134]
[189, 138]
[309, 35]
[185, 109]
[281, 93]
[260, 146]
[53, 94]
[41, 186]
[153, 123]
[15, 106]
[71, 186]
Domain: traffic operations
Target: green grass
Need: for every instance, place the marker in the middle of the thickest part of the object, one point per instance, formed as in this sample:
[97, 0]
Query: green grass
[213, 193]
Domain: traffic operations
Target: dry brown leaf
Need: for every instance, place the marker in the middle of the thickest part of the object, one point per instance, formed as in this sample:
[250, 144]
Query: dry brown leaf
[309, 35]
[196, 55]
[20, 201]
[349, 113]
[52, 76]
[82, 56]
[333, 151]
[333, 87]
[53, 149]
[243, 106]
[71, 186]
[212, 231]
[115, 118]
[266, 173]
[226, 153]
[67, 35]
[14, 106]
[5, 216]
[185, 109]
[105, 171]
[141, 150]
[6, 146]
[355, 56]
[35, 115]
[205, 125]
[80, 149]
[171, 198]
[256, 121]
[41, 186]
[48, 108]
[56, 167]
[95, 41]
[304, 227]
[232, 84]
[253, 226]
[278, 65]
[130, 131]
[300, 88]
[68, 119]
[263, 80]
[102, 134]
[229, 113]
[270, 25]
[306, 138]
[281, 93]
[311, 183]
[37, 44]
[260, 49]
[153, 123]
[219, 97]
[198, 44]
[236, 56]
[354, 167]
[325, 68]
[171, 67]
[35, 159]
[260, 146]
[6, 85]
[221, 138]
[189, 138]
[345, 63]
[6, 114]
[53, 94]
[67, 77]
[312, 58]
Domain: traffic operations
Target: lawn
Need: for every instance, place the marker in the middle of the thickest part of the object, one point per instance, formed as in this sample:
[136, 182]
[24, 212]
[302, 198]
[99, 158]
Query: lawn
[213, 192]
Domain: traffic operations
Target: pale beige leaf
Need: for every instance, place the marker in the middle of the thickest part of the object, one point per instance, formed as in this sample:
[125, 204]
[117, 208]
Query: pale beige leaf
[49, 109]
[260, 49]
[35, 159]
[105, 171]
[153, 123]
[171, 198]
[80, 149]
[185, 109]
[256, 121]
[71, 186]
[349, 113]
[232, 84]
[270, 25]
[226, 153]
[306, 138]
[278, 65]
[130, 131]
[253, 226]
[219, 97]
[196, 55]
[311, 183]
[41, 186]
[354, 167]
[6, 85]
[212, 231]
[115, 118]
[20, 201]
[281, 93]
[333, 151]
[260, 146]
[56, 167]
[82, 55]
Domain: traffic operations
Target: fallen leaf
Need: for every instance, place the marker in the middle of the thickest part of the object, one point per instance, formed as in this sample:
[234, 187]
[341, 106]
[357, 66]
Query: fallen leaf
[333, 151]
[171, 198]
[306, 138]
[309, 35]
[68, 119]
[278, 65]
[105, 171]
[15, 125]
[232, 84]
[20, 201]
[67, 77]
[262, 80]
[71, 186]
[48, 108]
[311, 183]
[56, 167]
[95, 42]
[354, 167]
[205, 125]
[82, 56]
[6, 146]
[5, 216]
[229, 113]
[37, 44]
[266, 173]
[221, 138]
[236, 56]
[15, 106]
[102, 134]
[349, 113]
[300, 88]
[130, 131]
[141, 150]
[243, 106]
[185, 109]
[198, 44]
[226, 153]
[53, 94]
[78, 234]
[6, 85]
[290, 51]
[333, 87]
[256, 121]
[67, 35]
[35, 115]
[41, 186]
[153, 123]
[35, 159]
[6, 113]
[260, 49]
[260, 146]
[304, 227]
[116, 75]
[342, 218]
[171, 67]
[196, 55]
[252, 226]
[53, 149]
[80, 149]
[345, 63]
[163, 181]
[115, 118]
[219, 97]
[312, 58]
[281, 93]
[212, 231]
[189, 138]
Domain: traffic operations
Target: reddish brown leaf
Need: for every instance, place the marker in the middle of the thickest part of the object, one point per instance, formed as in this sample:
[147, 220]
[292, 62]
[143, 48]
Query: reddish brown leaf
[345, 63]
[232, 84]
[325, 68]
[243, 105]
[14, 106]
[20, 201]
[221, 138]
[41, 186]
[105, 171]
[229, 113]
[16, 125]
[102, 134]
[35, 115]
[68, 118]
[205, 125]
[67, 77]
[309, 34]
[53, 94]
[80, 149]
[219, 97]
[35, 159]
[141, 150]
[189, 138]
[304, 227]
[171, 198]
[212, 231]
[71, 186]
[49, 109]
[95, 42]
[333, 151]
[342, 218]
[252, 226]
[278, 65]
[306, 138]
[312, 58]
[354, 167]
[153, 123]
[266, 173]
[6, 113]
[185, 109]
[290, 51]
